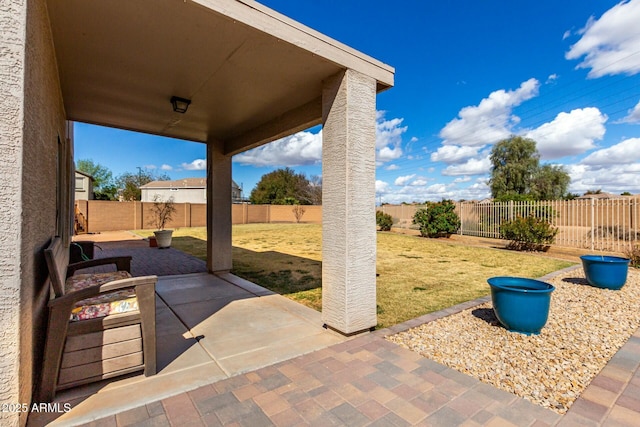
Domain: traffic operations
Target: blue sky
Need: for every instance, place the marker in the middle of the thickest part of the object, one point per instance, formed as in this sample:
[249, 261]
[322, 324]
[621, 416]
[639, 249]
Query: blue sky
[468, 74]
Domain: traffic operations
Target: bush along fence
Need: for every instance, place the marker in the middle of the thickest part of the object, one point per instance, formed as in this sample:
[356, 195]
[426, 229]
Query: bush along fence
[595, 224]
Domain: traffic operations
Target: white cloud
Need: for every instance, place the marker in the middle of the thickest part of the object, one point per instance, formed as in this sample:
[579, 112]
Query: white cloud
[388, 138]
[305, 148]
[610, 45]
[403, 180]
[462, 179]
[166, 167]
[614, 179]
[150, 167]
[626, 152]
[489, 121]
[552, 78]
[437, 192]
[569, 133]
[392, 168]
[566, 34]
[302, 148]
[419, 182]
[633, 115]
[381, 187]
[196, 165]
[454, 153]
[471, 167]
[389, 153]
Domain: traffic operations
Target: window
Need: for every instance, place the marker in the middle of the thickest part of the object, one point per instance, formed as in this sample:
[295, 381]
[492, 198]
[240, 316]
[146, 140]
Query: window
[80, 184]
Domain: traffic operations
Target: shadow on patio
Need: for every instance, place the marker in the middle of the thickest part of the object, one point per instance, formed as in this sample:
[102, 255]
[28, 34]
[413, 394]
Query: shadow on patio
[209, 327]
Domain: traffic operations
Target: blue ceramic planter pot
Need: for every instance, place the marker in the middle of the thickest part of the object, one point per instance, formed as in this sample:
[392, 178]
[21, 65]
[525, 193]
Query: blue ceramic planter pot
[609, 272]
[520, 304]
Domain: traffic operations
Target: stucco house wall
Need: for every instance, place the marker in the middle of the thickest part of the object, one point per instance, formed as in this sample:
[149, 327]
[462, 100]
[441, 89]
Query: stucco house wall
[33, 146]
[189, 190]
[180, 195]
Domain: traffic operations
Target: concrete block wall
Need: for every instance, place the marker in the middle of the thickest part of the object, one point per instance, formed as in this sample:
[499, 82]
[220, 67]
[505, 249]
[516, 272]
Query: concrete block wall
[104, 215]
[284, 213]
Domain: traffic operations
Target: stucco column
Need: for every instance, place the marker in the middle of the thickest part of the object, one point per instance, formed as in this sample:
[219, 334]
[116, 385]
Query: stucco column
[348, 202]
[218, 209]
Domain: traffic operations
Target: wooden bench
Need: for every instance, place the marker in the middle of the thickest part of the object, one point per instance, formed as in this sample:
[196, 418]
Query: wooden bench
[100, 325]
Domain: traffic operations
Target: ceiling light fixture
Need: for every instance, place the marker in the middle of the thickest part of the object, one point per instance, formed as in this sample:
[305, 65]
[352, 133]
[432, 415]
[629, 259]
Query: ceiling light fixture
[180, 105]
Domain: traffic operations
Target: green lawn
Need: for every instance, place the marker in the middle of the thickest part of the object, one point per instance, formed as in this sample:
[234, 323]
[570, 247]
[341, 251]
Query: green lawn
[415, 275]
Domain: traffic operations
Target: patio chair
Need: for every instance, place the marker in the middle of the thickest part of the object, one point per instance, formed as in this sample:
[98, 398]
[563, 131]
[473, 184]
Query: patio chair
[100, 325]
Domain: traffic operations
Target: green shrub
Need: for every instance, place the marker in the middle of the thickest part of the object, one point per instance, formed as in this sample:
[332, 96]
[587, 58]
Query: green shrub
[501, 210]
[528, 233]
[633, 253]
[384, 221]
[437, 219]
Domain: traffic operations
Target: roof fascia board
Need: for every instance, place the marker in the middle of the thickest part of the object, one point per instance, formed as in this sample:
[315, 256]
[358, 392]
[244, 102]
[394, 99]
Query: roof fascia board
[262, 18]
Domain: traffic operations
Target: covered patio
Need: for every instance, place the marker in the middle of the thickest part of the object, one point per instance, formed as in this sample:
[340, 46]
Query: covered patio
[251, 76]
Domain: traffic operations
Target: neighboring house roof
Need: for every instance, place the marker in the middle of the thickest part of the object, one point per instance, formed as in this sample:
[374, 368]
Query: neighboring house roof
[85, 174]
[182, 183]
[600, 196]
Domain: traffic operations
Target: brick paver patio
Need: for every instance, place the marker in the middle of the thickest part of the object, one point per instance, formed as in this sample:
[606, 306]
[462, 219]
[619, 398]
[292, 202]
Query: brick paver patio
[368, 381]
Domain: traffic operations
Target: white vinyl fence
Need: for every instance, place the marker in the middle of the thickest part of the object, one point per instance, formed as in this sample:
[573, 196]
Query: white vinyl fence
[595, 224]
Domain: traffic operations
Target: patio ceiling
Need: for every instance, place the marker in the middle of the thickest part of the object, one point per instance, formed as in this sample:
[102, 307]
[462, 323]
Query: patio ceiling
[252, 74]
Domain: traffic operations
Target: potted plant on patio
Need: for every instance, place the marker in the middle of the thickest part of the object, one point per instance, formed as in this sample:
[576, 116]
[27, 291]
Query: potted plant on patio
[162, 212]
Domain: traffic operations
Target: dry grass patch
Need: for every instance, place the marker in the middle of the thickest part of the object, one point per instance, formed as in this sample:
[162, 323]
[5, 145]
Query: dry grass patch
[416, 275]
[419, 276]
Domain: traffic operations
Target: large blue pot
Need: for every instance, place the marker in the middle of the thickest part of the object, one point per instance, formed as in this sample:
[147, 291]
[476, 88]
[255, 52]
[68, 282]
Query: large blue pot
[608, 272]
[520, 304]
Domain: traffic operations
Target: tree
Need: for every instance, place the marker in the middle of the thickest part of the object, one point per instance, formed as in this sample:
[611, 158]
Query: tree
[103, 185]
[550, 183]
[517, 175]
[314, 190]
[281, 187]
[515, 162]
[129, 183]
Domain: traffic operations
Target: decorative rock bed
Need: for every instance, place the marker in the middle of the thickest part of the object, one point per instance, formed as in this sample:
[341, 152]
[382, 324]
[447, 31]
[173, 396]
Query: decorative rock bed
[586, 327]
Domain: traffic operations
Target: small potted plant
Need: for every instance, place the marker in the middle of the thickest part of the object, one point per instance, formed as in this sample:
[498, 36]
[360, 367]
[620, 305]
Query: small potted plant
[162, 212]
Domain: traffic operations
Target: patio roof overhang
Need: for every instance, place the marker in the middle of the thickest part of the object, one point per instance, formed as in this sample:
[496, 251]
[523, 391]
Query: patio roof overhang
[252, 74]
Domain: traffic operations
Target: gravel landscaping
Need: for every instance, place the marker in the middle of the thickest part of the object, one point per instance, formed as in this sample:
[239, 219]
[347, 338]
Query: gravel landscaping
[586, 327]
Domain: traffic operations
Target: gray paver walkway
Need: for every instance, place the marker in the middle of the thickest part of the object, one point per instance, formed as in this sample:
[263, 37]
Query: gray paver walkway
[368, 381]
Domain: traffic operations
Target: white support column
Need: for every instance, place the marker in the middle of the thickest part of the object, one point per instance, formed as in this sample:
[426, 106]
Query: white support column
[348, 199]
[219, 257]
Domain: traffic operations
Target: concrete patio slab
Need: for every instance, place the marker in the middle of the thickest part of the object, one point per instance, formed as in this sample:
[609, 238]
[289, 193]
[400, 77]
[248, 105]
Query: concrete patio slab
[276, 333]
[208, 329]
[197, 288]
